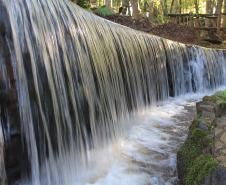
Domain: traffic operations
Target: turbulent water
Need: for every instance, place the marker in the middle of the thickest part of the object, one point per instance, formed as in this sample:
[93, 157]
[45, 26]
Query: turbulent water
[79, 77]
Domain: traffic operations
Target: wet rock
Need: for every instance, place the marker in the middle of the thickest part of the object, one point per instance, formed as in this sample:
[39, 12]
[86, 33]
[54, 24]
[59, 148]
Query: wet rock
[208, 115]
[4, 20]
[200, 106]
[208, 107]
[2, 29]
[218, 177]
[203, 126]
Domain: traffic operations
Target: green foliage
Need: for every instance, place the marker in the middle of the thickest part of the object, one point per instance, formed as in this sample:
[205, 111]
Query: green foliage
[201, 167]
[104, 11]
[196, 164]
[194, 145]
[84, 4]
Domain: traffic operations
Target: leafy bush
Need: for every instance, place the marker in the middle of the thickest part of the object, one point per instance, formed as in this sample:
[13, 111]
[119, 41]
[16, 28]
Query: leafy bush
[104, 11]
[84, 3]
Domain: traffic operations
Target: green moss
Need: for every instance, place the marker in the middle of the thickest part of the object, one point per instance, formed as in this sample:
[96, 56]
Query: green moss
[191, 153]
[224, 92]
[193, 146]
[200, 168]
[219, 98]
[194, 161]
[104, 11]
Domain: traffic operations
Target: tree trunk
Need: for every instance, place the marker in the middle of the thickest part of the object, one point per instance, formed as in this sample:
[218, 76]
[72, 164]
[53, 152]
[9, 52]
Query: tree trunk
[136, 9]
[224, 16]
[171, 7]
[125, 6]
[164, 7]
[108, 3]
[218, 11]
[151, 7]
[180, 6]
[197, 11]
[209, 7]
[209, 10]
[196, 6]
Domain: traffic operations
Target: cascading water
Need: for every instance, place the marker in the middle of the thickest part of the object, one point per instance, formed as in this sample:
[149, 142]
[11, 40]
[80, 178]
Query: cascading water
[77, 76]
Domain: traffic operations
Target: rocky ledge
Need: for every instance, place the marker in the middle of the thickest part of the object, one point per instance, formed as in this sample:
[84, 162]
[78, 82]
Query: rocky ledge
[202, 158]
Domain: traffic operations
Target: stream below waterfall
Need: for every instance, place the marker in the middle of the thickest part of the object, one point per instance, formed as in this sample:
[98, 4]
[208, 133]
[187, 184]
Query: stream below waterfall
[147, 154]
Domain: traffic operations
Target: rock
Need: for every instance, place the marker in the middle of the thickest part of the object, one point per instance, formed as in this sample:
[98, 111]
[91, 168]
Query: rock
[222, 160]
[209, 115]
[203, 126]
[5, 27]
[2, 29]
[217, 131]
[218, 145]
[223, 151]
[223, 138]
[209, 165]
[200, 107]
[222, 122]
[218, 177]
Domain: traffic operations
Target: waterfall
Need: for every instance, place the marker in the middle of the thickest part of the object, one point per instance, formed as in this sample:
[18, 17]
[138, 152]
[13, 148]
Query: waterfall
[76, 75]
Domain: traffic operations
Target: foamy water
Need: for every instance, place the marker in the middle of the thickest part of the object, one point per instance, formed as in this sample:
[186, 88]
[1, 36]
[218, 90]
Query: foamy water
[147, 155]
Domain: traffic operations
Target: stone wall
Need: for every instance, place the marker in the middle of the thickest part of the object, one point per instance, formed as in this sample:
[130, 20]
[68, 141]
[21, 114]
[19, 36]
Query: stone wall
[202, 158]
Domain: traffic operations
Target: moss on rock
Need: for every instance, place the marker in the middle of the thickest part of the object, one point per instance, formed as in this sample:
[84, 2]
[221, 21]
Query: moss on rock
[195, 163]
[218, 98]
[192, 152]
[201, 167]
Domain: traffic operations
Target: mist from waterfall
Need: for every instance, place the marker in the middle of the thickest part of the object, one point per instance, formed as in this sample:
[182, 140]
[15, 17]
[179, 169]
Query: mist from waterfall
[79, 77]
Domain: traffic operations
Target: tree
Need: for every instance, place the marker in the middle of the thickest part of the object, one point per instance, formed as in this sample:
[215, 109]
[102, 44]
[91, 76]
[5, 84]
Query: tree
[164, 7]
[196, 6]
[108, 3]
[224, 16]
[218, 12]
[209, 10]
[151, 7]
[171, 7]
[136, 9]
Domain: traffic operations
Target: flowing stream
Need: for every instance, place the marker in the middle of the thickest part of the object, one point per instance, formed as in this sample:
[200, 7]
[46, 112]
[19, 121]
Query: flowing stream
[147, 155]
[79, 83]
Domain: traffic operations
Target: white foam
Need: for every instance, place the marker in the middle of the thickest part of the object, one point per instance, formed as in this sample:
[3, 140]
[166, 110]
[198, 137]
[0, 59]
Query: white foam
[147, 155]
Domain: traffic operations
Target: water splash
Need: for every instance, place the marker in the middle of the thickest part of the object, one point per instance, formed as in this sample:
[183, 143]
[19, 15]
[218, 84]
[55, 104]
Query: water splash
[78, 76]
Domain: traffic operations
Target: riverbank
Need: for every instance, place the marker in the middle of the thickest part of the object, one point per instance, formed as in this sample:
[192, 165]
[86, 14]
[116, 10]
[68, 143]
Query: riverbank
[202, 158]
[180, 33]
